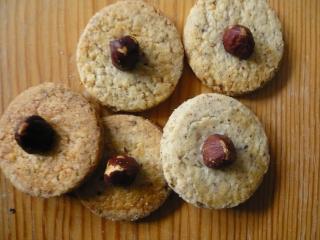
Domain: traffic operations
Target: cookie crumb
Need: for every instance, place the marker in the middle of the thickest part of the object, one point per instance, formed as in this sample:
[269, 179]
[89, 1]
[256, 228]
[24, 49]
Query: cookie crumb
[12, 210]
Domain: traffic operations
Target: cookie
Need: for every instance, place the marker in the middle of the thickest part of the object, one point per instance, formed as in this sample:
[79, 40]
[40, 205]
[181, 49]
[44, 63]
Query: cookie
[138, 138]
[77, 149]
[155, 76]
[181, 151]
[212, 64]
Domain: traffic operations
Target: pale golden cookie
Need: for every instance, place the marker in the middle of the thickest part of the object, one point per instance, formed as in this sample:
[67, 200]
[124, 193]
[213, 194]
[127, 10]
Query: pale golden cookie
[77, 150]
[140, 139]
[154, 78]
[213, 65]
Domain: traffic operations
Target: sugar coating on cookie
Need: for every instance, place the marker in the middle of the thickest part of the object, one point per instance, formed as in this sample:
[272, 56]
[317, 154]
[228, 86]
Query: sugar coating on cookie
[156, 75]
[77, 150]
[213, 65]
[138, 138]
[183, 137]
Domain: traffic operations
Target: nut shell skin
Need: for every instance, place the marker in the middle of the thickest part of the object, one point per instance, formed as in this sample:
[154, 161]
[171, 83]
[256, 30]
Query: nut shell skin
[238, 41]
[35, 135]
[218, 151]
[125, 53]
[121, 170]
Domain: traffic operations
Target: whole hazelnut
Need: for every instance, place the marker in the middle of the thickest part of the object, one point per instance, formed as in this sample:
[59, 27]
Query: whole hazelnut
[218, 151]
[125, 53]
[35, 135]
[121, 170]
[238, 41]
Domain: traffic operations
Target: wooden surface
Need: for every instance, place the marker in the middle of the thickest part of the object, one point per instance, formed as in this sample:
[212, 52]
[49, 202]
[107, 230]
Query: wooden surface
[38, 40]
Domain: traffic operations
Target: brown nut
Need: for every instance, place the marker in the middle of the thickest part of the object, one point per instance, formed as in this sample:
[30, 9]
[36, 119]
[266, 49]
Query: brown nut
[121, 170]
[218, 151]
[238, 41]
[125, 53]
[35, 135]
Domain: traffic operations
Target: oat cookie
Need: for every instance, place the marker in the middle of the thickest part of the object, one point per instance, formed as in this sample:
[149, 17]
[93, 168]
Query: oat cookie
[183, 136]
[156, 75]
[140, 139]
[216, 68]
[77, 150]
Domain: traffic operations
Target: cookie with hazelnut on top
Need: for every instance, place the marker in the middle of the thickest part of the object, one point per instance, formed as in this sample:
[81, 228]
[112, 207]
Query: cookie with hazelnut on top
[233, 46]
[214, 151]
[130, 56]
[50, 140]
[129, 183]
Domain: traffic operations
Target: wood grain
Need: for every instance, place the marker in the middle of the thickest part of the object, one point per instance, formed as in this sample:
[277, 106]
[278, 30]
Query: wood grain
[38, 40]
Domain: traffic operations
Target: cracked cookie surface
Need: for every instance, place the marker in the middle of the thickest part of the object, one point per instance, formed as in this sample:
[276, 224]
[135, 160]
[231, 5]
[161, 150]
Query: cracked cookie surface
[78, 147]
[156, 75]
[183, 136]
[138, 138]
[218, 69]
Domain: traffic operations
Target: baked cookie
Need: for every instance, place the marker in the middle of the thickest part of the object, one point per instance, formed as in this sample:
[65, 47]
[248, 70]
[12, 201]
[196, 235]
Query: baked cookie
[136, 138]
[138, 85]
[211, 32]
[49, 140]
[194, 151]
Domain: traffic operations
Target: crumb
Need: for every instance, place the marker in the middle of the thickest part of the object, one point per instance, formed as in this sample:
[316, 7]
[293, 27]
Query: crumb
[12, 210]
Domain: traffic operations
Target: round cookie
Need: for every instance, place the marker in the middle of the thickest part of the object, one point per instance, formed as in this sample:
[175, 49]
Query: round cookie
[154, 78]
[77, 150]
[218, 69]
[140, 139]
[183, 136]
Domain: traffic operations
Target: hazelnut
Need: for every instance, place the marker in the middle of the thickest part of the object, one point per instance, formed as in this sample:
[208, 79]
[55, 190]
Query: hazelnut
[121, 170]
[35, 135]
[238, 41]
[125, 53]
[218, 151]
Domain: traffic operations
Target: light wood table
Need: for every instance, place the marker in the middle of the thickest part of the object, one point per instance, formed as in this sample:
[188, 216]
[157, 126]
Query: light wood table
[37, 43]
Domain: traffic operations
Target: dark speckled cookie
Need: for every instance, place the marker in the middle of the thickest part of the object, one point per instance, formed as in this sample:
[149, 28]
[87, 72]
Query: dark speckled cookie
[181, 144]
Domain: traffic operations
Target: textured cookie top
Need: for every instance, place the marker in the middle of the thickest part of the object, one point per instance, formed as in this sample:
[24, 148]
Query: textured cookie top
[209, 60]
[183, 136]
[77, 150]
[140, 139]
[155, 77]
